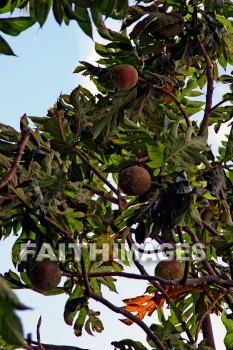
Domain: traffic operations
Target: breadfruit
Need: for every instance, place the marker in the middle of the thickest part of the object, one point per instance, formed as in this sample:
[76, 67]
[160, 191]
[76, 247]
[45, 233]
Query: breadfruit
[173, 29]
[45, 275]
[134, 180]
[124, 76]
[169, 269]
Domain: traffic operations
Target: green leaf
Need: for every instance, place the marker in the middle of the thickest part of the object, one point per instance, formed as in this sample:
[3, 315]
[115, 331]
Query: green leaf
[128, 344]
[41, 9]
[228, 323]
[156, 156]
[182, 149]
[58, 11]
[7, 295]
[226, 22]
[5, 48]
[85, 21]
[79, 322]
[229, 146]
[14, 26]
[10, 325]
[93, 323]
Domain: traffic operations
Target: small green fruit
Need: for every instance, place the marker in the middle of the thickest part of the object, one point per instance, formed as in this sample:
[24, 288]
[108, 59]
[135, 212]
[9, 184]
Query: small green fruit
[169, 269]
[45, 275]
[124, 76]
[134, 180]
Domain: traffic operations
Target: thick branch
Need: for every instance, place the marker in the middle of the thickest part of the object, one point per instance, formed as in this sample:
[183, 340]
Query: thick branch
[175, 283]
[119, 310]
[21, 146]
[208, 332]
[53, 347]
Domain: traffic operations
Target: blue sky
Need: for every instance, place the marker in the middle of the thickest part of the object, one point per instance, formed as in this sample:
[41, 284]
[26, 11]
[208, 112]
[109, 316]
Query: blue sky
[31, 83]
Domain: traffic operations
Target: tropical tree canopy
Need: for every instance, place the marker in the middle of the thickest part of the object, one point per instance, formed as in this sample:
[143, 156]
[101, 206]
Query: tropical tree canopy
[106, 179]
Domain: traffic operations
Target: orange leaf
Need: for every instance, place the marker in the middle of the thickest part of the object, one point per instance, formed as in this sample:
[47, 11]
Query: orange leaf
[166, 98]
[147, 304]
[142, 305]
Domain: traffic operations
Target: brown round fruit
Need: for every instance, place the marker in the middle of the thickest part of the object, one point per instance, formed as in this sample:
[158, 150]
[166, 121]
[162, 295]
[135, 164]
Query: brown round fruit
[169, 269]
[45, 275]
[171, 30]
[124, 76]
[134, 180]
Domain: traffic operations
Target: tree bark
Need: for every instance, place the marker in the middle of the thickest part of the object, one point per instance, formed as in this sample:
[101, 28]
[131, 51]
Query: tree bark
[208, 332]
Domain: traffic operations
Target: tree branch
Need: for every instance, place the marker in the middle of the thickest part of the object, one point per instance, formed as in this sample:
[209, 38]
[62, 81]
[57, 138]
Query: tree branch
[53, 347]
[179, 105]
[40, 346]
[21, 146]
[219, 104]
[206, 322]
[175, 283]
[96, 171]
[210, 86]
[58, 228]
[144, 272]
[119, 310]
[208, 332]
[102, 194]
[210, 229]
[204, 261]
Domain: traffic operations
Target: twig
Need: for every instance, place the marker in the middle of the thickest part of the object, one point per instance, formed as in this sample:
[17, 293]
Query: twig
[178, 103]
[187, 331]
[204, 261]
[210, 87]
[180, 234]
[206, 313]
[210, 296]
[120, 310]
[40, 346]
[219, 104]
[210, 229]
[186, 273]
[102, 194]
[96, 171]
[21, 146]
[58, 228]
[144, 272]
